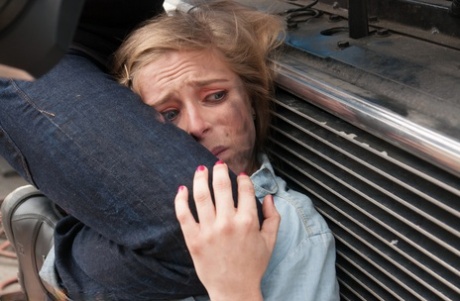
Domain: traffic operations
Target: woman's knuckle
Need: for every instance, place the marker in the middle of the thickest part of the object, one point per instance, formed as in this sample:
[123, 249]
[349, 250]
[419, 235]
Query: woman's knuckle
[246, 221]
[225, 228]
[181, 216]
[200, 197]
[194, 247]
[220, 185]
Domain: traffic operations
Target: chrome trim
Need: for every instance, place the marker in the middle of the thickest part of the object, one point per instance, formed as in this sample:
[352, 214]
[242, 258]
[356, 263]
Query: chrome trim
[425, 143]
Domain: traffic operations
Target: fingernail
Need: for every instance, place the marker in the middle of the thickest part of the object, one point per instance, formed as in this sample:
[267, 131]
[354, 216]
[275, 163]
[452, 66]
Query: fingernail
[181, 187]
[200, 168]
[243, 174]
[219, 162]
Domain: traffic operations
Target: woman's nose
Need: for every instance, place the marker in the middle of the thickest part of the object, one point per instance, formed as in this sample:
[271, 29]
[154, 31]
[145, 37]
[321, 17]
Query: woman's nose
[198, 124]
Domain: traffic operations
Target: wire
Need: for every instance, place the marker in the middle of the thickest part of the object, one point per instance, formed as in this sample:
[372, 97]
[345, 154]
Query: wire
[304, 13]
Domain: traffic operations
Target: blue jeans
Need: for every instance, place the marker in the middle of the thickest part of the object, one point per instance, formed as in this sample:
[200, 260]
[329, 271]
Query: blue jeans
[102, 155]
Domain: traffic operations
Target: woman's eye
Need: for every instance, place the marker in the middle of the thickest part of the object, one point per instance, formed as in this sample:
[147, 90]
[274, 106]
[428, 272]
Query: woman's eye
[217, 96]
[170, 115]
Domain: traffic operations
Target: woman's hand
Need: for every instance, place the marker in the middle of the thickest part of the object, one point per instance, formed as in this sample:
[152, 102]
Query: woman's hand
[229, 250]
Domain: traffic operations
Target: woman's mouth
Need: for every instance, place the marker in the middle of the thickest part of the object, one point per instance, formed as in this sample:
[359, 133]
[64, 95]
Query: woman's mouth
[217, 151]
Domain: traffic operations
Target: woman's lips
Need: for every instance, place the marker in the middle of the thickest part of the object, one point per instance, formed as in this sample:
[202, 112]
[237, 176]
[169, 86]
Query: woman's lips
[216, 151]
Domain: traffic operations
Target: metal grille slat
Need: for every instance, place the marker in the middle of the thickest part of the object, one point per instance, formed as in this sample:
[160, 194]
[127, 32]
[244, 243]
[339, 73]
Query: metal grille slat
[403, 291]
[421, 189]
[368, 277]
[427, 215]
[450, 209]
[440, 258]
[398, 228]
[389, 241]
[374, 248]
[393, 211]
[348, 286]
[453, 188]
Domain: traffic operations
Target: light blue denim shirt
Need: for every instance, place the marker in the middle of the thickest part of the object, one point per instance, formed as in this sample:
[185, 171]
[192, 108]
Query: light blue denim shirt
[302, 266]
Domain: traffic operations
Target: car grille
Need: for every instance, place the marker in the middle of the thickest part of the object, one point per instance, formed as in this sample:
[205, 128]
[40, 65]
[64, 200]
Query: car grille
[395, 217]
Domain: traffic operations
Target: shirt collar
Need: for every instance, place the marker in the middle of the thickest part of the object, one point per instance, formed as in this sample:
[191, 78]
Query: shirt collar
[264, 178]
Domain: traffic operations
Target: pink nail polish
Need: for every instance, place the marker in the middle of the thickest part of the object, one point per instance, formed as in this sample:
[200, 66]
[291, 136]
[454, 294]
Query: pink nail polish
[200, 168]
[219, 162]
[181, 187]
[243, 174]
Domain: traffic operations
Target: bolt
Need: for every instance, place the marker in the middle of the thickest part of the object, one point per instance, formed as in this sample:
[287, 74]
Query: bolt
[343, 44]
[335, 18]
[383, 32]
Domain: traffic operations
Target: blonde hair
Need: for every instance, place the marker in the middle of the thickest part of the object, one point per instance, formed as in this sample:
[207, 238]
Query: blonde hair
[247, 39]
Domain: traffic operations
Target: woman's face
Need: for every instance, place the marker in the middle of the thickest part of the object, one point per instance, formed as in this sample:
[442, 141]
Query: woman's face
[197, 92]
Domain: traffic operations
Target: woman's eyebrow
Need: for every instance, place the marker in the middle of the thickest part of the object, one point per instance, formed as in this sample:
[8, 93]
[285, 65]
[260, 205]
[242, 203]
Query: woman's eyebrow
[158, 100]
[197, 83]
[202, 83]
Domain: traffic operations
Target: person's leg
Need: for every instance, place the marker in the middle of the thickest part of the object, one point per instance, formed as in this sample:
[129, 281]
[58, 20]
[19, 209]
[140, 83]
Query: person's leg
[96, 150]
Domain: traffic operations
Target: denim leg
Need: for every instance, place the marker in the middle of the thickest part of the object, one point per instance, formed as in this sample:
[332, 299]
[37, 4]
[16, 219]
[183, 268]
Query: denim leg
[95, 149]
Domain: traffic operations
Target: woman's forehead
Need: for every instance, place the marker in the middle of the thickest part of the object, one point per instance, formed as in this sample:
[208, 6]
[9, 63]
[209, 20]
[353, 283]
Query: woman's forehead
[179, 71]
[197, 68]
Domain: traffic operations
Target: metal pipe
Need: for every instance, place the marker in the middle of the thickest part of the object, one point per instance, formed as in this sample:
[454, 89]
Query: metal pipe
[420, 141]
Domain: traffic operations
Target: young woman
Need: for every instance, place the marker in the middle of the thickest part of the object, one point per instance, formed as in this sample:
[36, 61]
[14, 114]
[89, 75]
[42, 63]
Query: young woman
[207, 72]
[120, 241]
